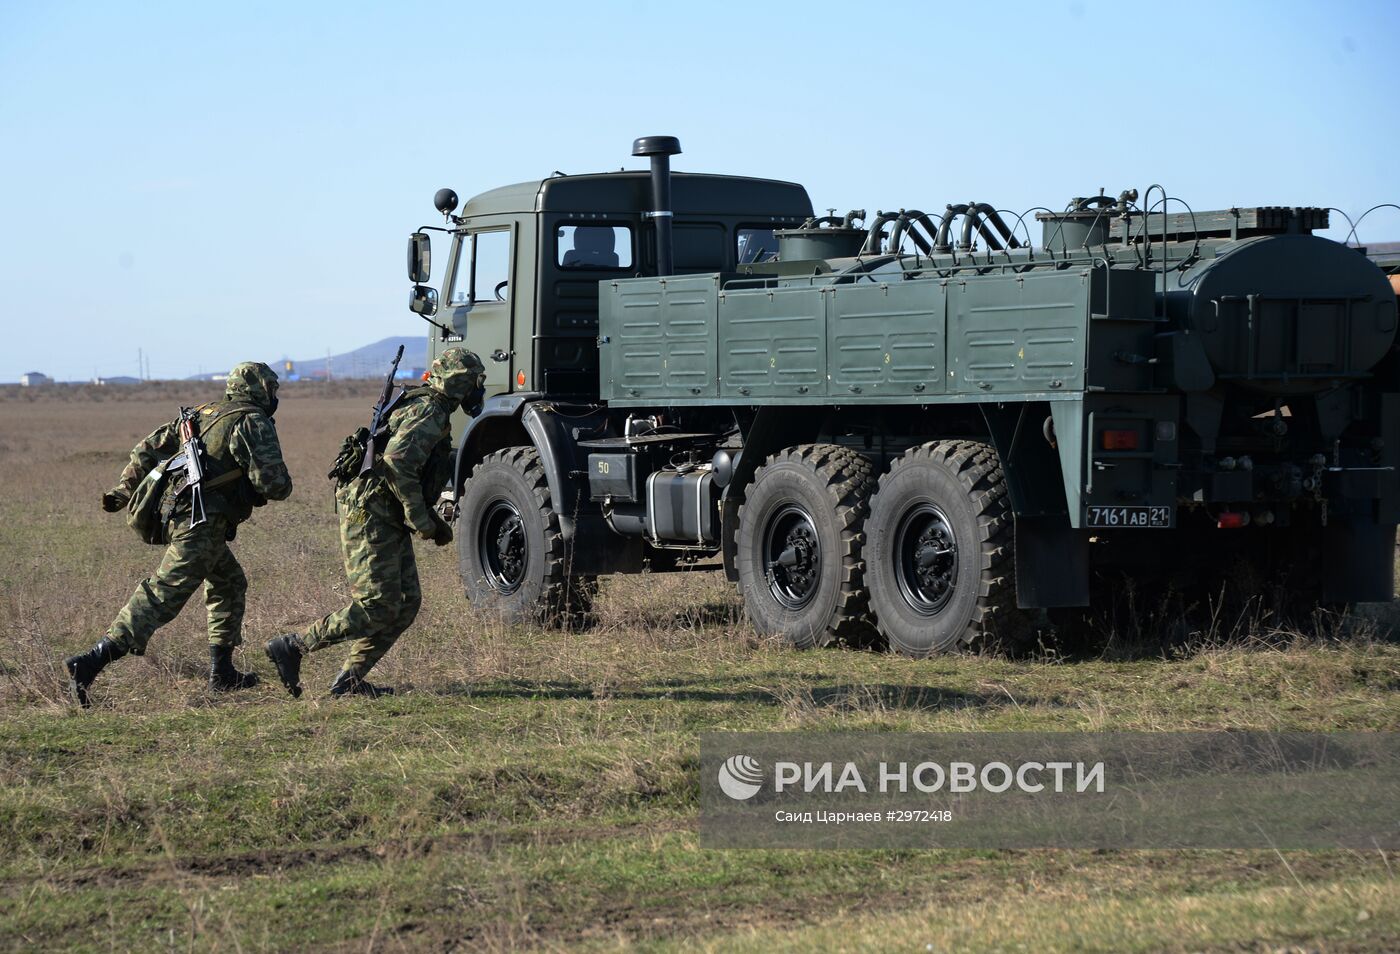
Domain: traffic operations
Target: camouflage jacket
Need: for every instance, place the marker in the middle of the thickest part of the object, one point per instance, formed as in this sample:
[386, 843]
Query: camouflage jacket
[414, 466]
[247, 441]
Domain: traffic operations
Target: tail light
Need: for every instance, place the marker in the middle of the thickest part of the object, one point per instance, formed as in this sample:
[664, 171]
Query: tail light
[1232, 520]
[1120, 440]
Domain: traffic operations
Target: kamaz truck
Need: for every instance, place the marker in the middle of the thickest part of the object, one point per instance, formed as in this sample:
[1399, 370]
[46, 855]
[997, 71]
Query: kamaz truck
[908, 426]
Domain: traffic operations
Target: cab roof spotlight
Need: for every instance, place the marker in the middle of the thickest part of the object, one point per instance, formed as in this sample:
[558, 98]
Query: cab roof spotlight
[445, 201]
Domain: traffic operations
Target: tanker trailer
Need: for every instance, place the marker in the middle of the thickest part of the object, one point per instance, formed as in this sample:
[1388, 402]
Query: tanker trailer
[907, 426]
[1281, 349]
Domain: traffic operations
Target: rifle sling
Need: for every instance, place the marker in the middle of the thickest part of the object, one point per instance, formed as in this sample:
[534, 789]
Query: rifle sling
[208, 483]
[214, 483]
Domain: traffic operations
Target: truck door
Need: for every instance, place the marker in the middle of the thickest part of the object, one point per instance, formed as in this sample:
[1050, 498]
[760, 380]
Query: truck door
[482, 301]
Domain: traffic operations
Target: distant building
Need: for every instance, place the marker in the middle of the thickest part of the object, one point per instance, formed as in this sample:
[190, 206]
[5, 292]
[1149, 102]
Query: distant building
[120, 379]
[34, 379]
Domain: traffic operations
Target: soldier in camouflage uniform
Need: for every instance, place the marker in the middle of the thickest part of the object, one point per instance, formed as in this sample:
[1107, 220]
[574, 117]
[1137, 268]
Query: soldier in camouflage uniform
[238, 434]
[380, 513]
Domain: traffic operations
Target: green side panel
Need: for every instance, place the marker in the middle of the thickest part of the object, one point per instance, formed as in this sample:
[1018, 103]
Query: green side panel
[657, 338]
[886, 339]
[1011, 333]
[773, 342]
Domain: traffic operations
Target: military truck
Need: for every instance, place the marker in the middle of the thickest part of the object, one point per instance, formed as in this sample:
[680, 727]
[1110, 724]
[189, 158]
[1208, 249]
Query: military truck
[909, 426]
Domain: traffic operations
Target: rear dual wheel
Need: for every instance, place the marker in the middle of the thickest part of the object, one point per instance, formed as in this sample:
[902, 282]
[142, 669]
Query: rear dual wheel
[928, 554]
[938, 553]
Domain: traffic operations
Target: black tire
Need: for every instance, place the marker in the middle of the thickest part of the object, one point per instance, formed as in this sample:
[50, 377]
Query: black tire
[512, 556]
[938, 552]
[807, 505]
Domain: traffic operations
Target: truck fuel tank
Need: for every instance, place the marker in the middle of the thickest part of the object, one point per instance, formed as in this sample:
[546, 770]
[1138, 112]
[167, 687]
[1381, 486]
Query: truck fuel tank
[681, 507]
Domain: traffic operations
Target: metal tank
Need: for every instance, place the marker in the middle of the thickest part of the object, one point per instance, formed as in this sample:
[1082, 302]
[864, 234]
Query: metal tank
[1287, 314]
[822, 238]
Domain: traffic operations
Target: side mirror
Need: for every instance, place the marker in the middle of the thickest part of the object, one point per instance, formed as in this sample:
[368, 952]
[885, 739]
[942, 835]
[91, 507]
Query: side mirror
[423, 300]
[420, 257]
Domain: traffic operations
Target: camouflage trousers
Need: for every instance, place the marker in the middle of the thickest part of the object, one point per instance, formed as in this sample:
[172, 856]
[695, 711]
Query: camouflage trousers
[194, 557]
[384, 591]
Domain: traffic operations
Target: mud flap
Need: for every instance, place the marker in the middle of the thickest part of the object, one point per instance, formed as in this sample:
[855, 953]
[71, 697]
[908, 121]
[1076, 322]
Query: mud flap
[1052, 563]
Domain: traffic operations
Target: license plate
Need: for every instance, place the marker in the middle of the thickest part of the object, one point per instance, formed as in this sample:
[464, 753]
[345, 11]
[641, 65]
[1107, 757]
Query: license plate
[1130, 517]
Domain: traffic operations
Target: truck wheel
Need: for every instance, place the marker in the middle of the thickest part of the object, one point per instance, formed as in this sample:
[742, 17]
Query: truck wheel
[511, 554]
[939, 559]
[799, 543]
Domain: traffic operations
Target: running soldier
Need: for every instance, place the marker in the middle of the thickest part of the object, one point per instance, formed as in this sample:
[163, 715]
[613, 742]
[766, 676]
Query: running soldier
[380, 512]
[243, 466]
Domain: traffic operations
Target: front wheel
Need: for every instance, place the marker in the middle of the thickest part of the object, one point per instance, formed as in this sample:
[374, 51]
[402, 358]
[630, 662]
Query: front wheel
[511, 553]
[939, 561]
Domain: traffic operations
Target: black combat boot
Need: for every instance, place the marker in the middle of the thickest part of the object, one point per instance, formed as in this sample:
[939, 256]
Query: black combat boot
[83, 668]
[285, 653]
[351, 682]
[222, 676]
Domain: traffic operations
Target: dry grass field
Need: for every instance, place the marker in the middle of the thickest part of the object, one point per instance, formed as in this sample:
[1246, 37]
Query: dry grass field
[538, 789]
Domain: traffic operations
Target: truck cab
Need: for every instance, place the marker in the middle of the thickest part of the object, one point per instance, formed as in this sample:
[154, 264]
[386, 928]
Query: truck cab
[525, 262]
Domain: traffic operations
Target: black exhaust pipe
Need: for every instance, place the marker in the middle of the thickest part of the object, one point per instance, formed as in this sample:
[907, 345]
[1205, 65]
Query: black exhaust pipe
[660, 149]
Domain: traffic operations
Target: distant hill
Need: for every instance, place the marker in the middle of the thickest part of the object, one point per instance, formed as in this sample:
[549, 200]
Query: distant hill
[371, 361]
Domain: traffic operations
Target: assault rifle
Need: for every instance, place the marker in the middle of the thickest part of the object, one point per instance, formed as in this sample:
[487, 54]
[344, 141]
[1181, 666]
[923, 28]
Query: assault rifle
[380, 420]
[191, 449]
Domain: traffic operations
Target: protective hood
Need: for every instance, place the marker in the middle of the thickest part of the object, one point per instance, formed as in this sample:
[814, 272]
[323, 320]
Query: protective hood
[456, 373]
[254, 382]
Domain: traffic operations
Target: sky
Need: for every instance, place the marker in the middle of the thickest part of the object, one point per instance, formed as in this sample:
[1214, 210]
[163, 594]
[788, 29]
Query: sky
[214, 182]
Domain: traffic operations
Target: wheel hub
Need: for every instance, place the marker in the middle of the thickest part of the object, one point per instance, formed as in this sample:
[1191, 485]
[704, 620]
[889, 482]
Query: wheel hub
[501, 546]
[792, 557]
[926, 559]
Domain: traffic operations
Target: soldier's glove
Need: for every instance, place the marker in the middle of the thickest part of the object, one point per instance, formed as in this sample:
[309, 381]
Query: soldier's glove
[473, 401]
[446, 507]
[442, 533]
[112, 503]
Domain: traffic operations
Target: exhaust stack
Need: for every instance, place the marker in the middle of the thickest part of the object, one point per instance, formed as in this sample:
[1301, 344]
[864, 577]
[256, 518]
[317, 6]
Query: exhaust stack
[660, 149]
